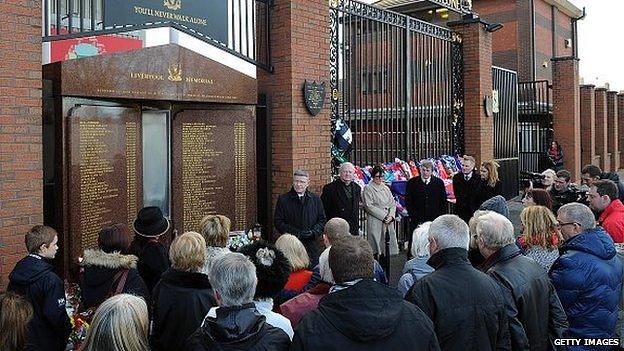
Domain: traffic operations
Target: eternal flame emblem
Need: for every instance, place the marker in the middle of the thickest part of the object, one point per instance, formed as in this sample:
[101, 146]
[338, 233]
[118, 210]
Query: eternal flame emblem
[175, 73]
[173, 4]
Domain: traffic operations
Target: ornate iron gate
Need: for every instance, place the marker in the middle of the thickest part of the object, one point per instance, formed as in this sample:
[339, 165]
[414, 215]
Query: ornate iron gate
[535, 123]
[505, 83]
[397, 82]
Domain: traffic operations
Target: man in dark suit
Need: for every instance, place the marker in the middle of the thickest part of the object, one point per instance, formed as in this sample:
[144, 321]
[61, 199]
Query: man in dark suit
[300, 212]
[341, 198]
[466, 186]
[425, 196]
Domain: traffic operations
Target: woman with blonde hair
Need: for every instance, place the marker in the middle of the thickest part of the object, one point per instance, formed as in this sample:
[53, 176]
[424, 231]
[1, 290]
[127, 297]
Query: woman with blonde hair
[540, 235]
[490, 185]
[120, 324]
[215, 229]
[183, 295]
[15, 314]
[299, 261]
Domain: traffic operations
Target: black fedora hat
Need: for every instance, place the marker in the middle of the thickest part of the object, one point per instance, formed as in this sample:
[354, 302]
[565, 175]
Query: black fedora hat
[151, 222]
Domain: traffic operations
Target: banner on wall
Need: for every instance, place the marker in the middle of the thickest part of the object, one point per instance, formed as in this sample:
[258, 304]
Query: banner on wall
[208, 17]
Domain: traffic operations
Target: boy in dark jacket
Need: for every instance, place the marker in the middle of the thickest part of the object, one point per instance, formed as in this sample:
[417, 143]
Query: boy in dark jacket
[33, 278]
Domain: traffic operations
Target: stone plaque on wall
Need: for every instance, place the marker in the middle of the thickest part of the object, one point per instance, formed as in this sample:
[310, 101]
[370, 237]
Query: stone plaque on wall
[104, 180]
[166, 72]
[214, 167]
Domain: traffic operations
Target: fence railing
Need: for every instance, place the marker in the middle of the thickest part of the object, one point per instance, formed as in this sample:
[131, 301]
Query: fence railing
[397, 82]
[505, 82]
[534, 98]
[240, 27]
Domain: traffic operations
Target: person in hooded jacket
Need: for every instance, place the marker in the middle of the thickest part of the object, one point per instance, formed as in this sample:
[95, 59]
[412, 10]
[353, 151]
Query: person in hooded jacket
[149, 226]
[104, 269]
[535, 313]
[33, 278]
[235, 324]
[183, 295]
[587, 276]
[360, 313]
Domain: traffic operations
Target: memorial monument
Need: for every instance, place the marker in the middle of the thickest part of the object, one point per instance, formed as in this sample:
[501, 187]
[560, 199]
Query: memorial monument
[160, 126]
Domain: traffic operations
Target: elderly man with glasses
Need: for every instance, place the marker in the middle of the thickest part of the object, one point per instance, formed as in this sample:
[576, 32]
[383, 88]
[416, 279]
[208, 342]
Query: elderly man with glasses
[587, 275]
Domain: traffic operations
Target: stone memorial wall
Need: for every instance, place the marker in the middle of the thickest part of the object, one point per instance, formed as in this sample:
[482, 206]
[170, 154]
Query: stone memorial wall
[104, 180]
[214, 167]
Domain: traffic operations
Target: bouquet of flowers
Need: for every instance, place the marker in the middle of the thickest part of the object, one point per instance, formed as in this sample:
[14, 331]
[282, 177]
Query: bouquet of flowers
[238, 239]
[79, 320]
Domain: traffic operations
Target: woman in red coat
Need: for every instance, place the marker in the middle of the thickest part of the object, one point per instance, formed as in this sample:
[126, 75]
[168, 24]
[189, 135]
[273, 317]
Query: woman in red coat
[300, 275]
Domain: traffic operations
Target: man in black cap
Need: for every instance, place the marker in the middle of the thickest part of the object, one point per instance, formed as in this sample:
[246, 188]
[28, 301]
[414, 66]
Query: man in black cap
[153, 256]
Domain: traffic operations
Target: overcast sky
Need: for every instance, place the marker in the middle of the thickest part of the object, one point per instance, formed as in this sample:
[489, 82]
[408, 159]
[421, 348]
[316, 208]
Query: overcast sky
[601, 47]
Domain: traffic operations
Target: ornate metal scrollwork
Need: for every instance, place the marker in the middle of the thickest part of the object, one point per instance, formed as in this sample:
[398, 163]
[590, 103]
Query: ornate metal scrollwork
[457, 57]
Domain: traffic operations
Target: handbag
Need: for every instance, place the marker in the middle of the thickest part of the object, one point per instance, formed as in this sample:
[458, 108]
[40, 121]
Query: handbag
[117, 286]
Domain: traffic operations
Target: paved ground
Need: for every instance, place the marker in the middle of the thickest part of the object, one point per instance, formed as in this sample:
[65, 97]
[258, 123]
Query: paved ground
[397, 262]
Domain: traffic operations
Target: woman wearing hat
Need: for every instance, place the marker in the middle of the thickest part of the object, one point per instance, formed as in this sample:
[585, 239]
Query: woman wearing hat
[153, 256]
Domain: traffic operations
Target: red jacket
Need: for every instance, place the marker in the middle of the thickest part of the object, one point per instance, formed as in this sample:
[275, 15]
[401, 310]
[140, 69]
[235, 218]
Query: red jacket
[298, 280]
[295, 308]
[612, 220]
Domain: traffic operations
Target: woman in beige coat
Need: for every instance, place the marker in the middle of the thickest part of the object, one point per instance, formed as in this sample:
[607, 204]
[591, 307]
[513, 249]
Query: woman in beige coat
[380, 211]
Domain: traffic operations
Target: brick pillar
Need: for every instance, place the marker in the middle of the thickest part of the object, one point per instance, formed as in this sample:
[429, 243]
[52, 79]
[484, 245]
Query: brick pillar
[21, 186]
[601, 129]
[620, 99]
[612, 129]
[300, 42]
[478, 128]
[588, 125]
[567, 114]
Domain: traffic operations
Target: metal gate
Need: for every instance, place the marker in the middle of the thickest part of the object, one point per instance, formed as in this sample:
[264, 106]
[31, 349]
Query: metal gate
[397, 82]
[505, 83]
[535, 121]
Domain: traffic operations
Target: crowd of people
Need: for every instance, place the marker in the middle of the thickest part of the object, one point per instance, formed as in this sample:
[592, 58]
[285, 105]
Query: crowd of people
[472, 283]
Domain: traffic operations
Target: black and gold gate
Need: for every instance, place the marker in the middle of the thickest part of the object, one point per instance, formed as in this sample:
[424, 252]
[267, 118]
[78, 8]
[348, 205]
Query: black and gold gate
[397, 82]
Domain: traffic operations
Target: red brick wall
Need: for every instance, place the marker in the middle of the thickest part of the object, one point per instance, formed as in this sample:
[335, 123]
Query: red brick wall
[566, 114]
[300, 50]
[478, 129]
[525, 44]
[620, 99]
[513, 45]
[601, 129]
[564, 31]
[20, 129]
[612, 128]
[588, 124]
[505, 40]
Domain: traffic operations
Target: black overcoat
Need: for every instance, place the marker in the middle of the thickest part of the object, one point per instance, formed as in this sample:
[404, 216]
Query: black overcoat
[337, 204]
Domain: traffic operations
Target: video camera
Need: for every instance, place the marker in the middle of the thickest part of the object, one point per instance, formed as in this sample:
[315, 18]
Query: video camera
[527, 177]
